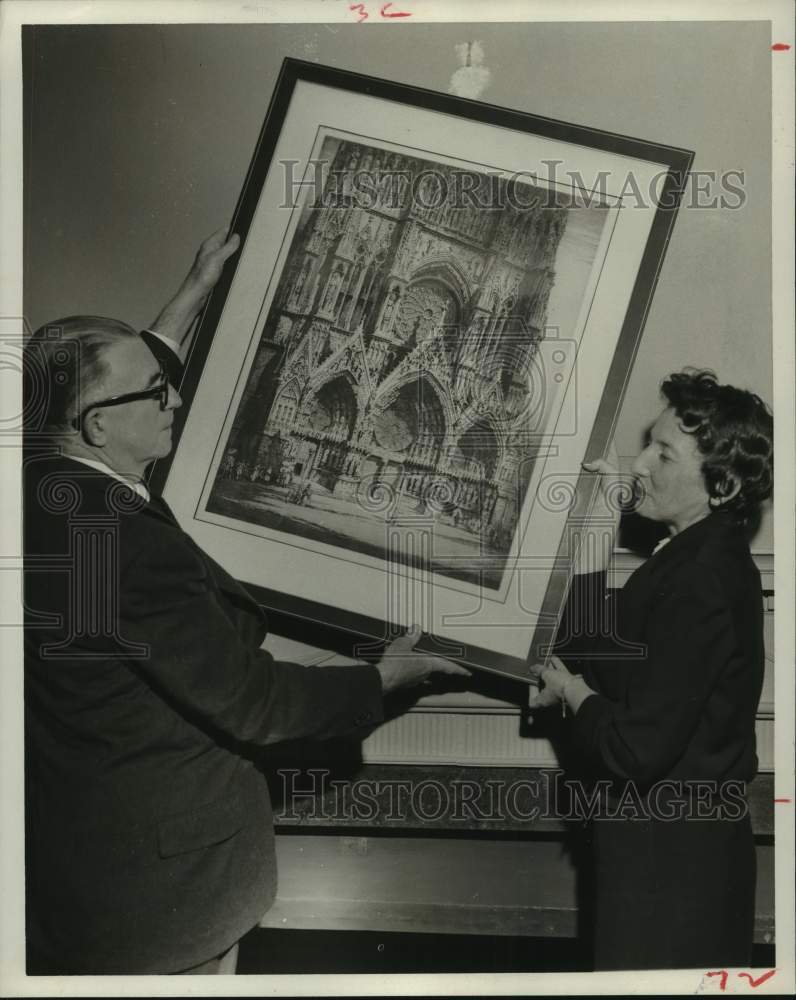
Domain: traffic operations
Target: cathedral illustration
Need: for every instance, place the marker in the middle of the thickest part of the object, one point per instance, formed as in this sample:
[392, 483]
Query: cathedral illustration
[398, 347]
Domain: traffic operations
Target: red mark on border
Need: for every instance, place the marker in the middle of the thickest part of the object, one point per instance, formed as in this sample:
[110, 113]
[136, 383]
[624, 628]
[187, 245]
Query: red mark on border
[783, 800]
[397, 13]
[724, 976]
[384, 11]
[756, 982]
[780, 47]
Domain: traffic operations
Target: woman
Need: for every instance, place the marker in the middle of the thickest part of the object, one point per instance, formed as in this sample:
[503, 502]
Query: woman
[663, 711]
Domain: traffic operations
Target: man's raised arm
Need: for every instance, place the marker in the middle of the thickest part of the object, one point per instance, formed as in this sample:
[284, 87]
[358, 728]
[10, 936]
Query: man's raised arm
[174, 321]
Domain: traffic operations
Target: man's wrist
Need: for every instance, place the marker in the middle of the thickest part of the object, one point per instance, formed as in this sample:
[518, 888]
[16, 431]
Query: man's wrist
[187, 302]
[175, 319]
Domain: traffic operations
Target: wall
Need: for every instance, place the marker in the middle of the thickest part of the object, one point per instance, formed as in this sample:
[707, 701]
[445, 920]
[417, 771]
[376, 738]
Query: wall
[137, 140]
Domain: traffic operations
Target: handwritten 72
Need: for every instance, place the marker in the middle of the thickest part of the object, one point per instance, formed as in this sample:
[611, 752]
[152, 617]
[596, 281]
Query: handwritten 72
[741, 975]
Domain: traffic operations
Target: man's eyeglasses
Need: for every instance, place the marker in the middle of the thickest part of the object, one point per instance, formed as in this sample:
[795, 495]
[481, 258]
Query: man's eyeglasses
[160, 391]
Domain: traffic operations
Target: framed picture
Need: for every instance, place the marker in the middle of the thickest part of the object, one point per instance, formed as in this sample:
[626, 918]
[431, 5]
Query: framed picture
[428, 326]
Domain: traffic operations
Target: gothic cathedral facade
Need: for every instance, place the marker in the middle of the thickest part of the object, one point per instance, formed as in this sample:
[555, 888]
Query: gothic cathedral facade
[400, 346]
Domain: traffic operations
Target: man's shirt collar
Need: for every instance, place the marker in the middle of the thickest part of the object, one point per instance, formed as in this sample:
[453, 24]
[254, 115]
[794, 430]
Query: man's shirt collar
[135, 484]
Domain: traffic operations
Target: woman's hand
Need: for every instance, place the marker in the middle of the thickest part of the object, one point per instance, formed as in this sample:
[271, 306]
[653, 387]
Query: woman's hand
[553, 678]
[560, 687]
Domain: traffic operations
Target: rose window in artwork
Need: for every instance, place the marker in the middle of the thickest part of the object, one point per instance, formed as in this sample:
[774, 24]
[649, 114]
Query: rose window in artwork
[424, 309]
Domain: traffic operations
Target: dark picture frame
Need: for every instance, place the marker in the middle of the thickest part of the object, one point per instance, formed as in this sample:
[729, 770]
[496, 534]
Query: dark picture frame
[290, 469]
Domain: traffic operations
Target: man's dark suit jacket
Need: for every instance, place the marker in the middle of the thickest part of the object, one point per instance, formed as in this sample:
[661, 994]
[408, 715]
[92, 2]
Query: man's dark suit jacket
[149, 835]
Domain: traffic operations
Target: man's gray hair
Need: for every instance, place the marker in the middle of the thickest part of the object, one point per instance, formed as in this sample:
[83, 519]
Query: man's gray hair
[64, 360]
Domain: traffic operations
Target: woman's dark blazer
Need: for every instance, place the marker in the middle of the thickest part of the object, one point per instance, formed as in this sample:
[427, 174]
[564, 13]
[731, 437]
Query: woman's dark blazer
[149, 841]
[676, 661]
[676, 658]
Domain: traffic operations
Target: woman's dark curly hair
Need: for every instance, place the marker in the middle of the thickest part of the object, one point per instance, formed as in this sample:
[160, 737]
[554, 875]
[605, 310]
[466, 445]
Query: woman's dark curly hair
[734, 431]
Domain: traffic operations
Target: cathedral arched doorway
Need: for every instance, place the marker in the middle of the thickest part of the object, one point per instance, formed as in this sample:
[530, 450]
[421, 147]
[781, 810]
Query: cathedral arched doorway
[477, 451]
[474, 462]
[333, 411]
[410, 431]
[330, 420]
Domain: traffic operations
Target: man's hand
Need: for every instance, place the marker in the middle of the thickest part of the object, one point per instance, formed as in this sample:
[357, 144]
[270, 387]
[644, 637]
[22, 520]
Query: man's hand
[175, 319]
[209, 262]
[597, 539]
[400, 667]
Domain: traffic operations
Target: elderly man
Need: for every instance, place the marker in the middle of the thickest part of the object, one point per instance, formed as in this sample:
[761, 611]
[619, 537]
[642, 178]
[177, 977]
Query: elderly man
[664, 711]
[149, 845]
